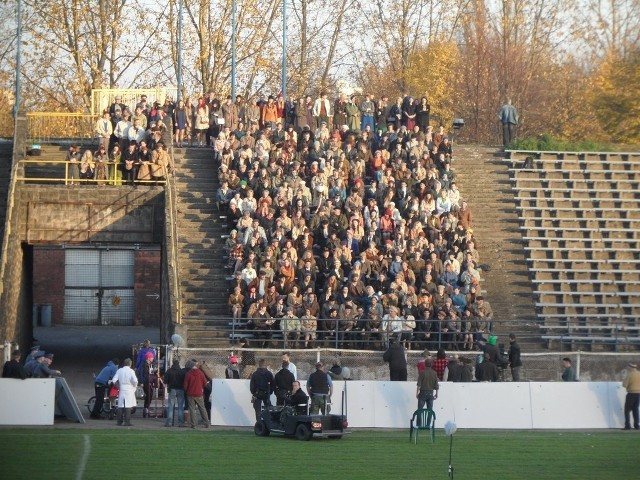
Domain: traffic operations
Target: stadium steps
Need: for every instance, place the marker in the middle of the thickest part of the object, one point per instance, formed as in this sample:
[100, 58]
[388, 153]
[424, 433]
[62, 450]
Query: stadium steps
[484, 182]
[202, 267]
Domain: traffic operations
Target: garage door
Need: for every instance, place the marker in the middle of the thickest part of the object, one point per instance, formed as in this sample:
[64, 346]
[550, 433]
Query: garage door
[99, 287]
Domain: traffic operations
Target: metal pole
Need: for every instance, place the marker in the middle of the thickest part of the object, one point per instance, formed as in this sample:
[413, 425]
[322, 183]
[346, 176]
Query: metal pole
[179, 94]
[284, 49]
[16, 107]
[233, 51]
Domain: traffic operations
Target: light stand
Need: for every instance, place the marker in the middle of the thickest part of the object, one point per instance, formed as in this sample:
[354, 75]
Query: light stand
[449, 429]
[458, 123]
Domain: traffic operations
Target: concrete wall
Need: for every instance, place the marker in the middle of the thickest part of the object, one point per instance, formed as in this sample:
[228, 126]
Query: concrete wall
[522, 405]
[46, 214]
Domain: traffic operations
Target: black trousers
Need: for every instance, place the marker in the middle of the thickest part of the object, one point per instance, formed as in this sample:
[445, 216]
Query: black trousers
[631, 404]
[507, 133]
[97, 407]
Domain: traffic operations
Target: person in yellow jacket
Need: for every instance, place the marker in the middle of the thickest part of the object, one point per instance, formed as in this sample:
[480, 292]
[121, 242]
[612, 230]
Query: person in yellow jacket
[632, 400]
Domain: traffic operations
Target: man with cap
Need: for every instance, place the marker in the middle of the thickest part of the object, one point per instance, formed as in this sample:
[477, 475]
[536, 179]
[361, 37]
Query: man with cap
[632, 399]
[13, 368]
[43, 370]
[31, 360]
[194, 384]
[174, 380]
[320, 388]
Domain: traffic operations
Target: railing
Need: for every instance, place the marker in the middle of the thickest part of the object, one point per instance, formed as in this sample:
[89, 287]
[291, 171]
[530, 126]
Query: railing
[53, 127]
[172, 245]
[617, 336]
[58, 172]
[10, 215]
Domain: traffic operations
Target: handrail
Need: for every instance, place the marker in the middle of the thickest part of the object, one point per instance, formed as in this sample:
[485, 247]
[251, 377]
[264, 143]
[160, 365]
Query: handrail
[48, 127]
[173, 230]
[112, 180]
[10, 209]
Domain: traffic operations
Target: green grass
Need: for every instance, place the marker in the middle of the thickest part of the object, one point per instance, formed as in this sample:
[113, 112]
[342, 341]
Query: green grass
[229, 454]
[547, 143]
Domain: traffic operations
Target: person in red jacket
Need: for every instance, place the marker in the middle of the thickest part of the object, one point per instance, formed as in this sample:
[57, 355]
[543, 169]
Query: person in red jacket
[194, 383]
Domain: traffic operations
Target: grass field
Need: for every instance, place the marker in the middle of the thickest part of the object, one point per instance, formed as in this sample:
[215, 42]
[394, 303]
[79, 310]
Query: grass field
[239, 454]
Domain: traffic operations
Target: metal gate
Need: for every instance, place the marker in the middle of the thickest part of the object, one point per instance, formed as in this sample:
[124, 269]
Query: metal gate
[99, 287]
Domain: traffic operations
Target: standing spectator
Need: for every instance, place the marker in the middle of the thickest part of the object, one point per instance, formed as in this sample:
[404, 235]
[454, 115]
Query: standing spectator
[126, 380]
[104, 129]
[13, 368]
[181, 122]
[487, 371]
[102, 382]
[146, 374]
[73, 172]
[286, 357]
[439, 365]
[194, 384]
[427, 386]
[320, 388]
[142, 354]
[514, 358]
[261, 386]
[322, 110]
[632, 400]
[422, 364]
[232, 371]
[396, 357]
[569, 374]
[174, 380]
[509, 118]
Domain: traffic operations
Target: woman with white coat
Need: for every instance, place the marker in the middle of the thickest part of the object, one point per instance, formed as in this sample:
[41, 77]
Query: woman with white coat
[127, 382]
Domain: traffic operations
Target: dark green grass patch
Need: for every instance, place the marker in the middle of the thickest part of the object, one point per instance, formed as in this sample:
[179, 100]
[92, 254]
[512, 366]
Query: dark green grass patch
[370, 454]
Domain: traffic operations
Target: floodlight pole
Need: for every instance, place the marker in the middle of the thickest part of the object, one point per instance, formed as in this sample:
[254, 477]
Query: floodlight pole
[179, 94]
[284, 49]
[16, 107]
[233, 50]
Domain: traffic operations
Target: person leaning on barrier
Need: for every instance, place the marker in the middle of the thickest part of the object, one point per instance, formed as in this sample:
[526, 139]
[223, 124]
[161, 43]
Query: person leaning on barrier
[320, 388]
[13, 368]
[43, 370]
[569, 373]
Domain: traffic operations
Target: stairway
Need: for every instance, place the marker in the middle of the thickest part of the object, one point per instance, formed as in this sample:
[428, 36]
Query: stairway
[202, 274]
[483, 181]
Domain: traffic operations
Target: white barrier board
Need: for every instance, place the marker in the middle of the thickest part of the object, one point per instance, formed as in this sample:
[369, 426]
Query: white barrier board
[509, 405]
[27, 402]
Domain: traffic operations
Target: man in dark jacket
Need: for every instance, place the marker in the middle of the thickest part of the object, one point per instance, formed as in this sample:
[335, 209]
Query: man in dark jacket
[320, 388]
[13, 368]
[514, 358]
[283, 383]
[174, 381]
[298, 399]
[487, 370]
[396, 357]
[261, 386]
[194, 383]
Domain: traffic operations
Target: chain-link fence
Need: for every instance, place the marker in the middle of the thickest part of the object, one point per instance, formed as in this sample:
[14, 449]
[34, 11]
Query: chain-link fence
[369, 365]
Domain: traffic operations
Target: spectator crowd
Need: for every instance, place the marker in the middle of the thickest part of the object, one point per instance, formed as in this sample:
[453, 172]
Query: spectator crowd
[346, 224]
